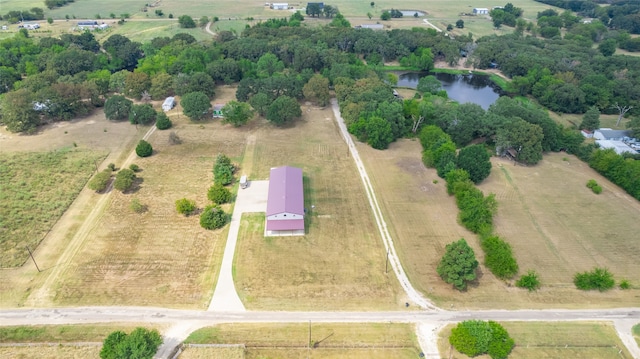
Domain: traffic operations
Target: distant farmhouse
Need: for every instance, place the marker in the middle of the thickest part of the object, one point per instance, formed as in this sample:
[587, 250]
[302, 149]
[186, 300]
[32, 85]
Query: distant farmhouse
[31, 26]
[618, 140]
[480, 11]
[279, 6]
[285, 202]
[91, 25]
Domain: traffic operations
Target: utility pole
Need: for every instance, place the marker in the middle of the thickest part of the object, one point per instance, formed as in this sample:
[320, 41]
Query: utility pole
[33, 259]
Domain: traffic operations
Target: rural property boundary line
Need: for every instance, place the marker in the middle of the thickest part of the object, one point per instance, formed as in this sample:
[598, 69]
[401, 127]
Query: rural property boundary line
[413, 294]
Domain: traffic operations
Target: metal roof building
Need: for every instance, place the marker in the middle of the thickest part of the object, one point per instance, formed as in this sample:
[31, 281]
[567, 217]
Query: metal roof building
[285, 202]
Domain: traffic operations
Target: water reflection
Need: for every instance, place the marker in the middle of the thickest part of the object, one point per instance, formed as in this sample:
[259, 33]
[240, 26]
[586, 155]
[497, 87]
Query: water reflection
[466, 88]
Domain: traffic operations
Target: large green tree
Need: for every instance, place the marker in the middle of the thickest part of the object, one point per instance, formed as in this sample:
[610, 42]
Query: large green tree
[195, 105]
[141, 343]
[317, 90]
[17, 112]
[237, 113]
[523, 138]
[142, 114]
[117, 108]
[283, 110]
[458, 264]
[186, 22]
[475, 160]
[591, 119]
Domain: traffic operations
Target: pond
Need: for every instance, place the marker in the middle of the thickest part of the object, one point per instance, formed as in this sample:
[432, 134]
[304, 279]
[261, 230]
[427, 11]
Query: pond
[466, 88]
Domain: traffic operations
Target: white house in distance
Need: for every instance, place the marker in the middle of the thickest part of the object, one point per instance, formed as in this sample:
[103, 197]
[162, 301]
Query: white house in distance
[618, 140]
[480, 11]
[285, 202]
[91, 25]
[279, 6]
[168, 104]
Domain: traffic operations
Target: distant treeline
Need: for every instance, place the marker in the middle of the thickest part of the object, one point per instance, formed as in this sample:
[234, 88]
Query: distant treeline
[13, 17]
[50, 4]
[620, 15]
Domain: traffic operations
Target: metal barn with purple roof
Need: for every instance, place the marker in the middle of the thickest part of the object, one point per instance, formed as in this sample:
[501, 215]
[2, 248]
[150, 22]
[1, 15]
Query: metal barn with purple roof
[285, 202]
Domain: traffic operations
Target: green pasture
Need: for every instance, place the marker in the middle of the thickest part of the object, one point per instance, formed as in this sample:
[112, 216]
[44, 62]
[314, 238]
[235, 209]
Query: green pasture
[145, 31]
[61, 333]
[35, 190]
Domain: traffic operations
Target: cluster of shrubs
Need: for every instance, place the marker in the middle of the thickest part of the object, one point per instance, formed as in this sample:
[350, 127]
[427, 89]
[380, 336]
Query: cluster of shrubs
[595, 187]
[476, 337]
[125, 178]
[213, 217]
[599, 278]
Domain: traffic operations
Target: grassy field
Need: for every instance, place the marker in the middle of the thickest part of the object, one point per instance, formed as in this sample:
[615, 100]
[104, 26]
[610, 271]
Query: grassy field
[62, 333]
[340, 262]
[571, 120]
[158, 257]
[32, 197]
[52, 352]
[231, 352]
[636, 333]
[439, 12]
[553, 340]
[554, 224]
[330, 340]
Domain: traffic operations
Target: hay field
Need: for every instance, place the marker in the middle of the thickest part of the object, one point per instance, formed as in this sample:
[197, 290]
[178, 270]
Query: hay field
[340, 263]
[553, 340]
[52, 352]
[553, 223]
[32, 197]
[158, 257]
[337, 340]
[65, 333]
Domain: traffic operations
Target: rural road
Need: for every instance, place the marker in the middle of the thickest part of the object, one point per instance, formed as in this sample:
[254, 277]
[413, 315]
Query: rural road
[188, 320]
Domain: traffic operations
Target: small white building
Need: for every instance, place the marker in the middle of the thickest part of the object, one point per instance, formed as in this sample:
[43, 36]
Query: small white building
[618, 146]
[480, 11]
[611, 135]
[168, 104]
[32, 26]
[279, 6]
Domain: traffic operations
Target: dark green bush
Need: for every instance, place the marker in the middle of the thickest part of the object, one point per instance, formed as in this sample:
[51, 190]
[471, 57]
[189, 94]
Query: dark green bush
[624, 284]
[213, 217]
[124, 180]
[137, 206]
[163, 122]
[134, 167]
[112, 166]
[599, 278]
[476, 337]
[529, 281]
[144, 149]
[100, 181]
[223, 170]
[185, 206]
[219, 194]
[476, 210]
[499, 257]
[141, 343]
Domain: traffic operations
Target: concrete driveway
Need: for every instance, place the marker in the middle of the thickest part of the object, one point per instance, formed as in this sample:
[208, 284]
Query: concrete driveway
[251, 199]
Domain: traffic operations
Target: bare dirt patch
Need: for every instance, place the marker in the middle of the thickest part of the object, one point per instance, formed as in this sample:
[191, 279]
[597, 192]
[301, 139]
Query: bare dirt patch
[554, 224]
[553, 340]
[340, 262]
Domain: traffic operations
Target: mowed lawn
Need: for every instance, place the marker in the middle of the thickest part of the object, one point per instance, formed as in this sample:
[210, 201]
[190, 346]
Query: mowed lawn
[536, 340]
[340, 262]
[158, 257]
[553, 222]
[331, 340]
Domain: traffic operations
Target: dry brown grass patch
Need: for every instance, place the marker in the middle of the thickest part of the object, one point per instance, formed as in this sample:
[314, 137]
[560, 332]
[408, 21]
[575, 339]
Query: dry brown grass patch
[553, 340]
[52, 352]
[554, 224]
[340, 262]
[158, 257]
[334, 340]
